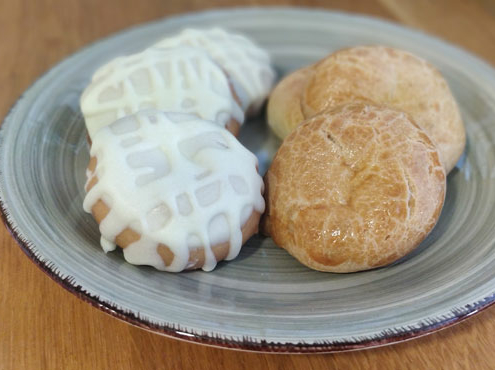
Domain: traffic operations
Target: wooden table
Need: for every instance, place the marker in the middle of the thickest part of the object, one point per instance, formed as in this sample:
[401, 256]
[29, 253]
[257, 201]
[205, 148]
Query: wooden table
[42, 326]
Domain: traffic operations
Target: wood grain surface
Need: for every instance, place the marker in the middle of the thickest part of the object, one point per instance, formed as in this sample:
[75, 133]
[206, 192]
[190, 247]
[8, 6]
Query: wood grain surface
[42, 326]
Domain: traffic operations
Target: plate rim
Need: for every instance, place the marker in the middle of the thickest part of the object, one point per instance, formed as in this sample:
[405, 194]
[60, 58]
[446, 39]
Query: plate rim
[387, 337]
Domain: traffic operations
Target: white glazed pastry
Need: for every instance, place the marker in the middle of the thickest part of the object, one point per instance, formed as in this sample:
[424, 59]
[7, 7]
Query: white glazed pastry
[174, 183]
[182, 79]
[247, 64]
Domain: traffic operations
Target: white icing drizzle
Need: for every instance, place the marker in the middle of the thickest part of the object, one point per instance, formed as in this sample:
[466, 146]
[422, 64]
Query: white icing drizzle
[107, 246]
[247, 64]
[185, 183]
[182, 79]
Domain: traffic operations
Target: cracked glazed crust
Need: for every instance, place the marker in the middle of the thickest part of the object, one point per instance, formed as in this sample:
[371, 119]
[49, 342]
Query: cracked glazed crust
[381, 75]
[353, 188]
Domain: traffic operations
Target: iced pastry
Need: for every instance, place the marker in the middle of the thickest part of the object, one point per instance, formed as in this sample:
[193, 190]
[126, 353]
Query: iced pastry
[182, 79]
[174, 191]
[246, 63]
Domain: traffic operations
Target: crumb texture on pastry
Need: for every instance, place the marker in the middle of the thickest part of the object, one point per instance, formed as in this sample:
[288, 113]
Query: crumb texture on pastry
[353, 188]
[174, 191]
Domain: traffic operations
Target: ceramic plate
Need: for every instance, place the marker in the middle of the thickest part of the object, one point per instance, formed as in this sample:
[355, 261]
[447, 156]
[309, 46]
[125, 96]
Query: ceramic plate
[264, 300]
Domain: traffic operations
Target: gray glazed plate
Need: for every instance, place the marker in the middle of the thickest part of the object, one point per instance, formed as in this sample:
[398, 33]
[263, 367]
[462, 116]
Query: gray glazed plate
[264, 300]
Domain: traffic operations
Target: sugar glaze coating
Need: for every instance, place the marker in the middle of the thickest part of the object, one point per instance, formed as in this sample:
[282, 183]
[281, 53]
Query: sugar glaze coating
[182, 79]
[177, 182]
[246, 63]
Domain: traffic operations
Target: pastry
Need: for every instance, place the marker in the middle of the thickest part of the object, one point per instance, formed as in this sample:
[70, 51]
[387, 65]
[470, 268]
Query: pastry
[247, 64]
[283, 110]
[353, 188]
[182, 79]
[385, 76]
[174, 191]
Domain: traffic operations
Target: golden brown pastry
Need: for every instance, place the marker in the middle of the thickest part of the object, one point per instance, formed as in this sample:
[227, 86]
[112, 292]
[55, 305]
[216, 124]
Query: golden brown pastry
[284, 106]
[353, 188]
[384, 76]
